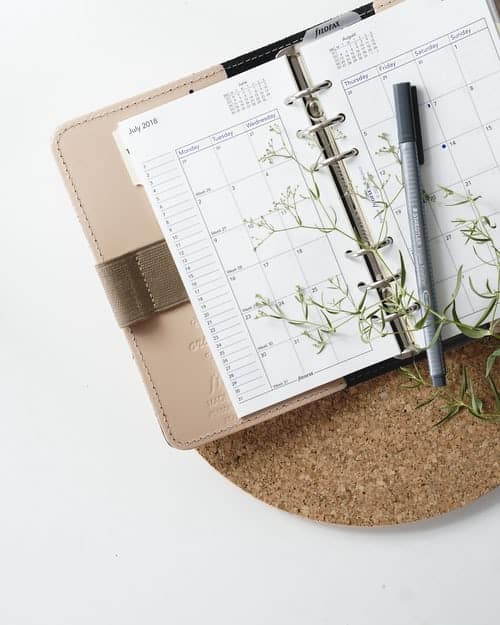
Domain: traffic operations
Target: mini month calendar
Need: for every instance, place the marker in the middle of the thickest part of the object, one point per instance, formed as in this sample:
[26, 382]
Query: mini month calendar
[354, 50]
[235, 160]
[247, 95]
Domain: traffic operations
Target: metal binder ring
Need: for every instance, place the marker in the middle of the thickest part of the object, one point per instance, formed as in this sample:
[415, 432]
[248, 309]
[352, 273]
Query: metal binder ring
[340, 157]
[413, 308]
[359, 254]
[326, 84]
[303, 134]
[379, 284]
[409, 352]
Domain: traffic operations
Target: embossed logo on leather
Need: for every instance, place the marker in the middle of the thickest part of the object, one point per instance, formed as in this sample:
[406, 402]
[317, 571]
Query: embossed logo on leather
[219, 407]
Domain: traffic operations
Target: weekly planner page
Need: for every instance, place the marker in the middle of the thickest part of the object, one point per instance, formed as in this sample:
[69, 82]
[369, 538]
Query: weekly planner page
[214, 163]
[449, 49]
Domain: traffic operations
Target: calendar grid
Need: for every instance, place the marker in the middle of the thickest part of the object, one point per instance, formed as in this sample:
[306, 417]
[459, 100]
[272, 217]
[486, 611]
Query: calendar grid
[383, 67]
[225, 333]
[207, 194]
[443, 237]
[476, 110]
[451, 136]
[224, 195]
[273, 295]
[259, 264]
[305, 282]
[494, 155]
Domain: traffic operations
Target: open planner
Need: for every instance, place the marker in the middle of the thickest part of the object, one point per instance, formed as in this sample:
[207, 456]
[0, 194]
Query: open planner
[228, 211]
[265, 186]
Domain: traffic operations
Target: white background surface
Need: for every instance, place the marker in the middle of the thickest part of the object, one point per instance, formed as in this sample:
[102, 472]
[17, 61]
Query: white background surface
[100, 522]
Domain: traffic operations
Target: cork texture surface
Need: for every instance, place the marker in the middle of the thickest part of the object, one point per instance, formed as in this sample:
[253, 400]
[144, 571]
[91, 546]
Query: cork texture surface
[368, 456]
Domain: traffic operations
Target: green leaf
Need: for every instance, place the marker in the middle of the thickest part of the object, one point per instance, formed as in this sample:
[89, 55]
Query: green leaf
[362, 303]
[411, 386]
[422, 322]
[478, 238]
[316, 188]
[473, 333]
[327, 319]
[452, 413]
[460, 203]
[496, 393]
[487, 312]
[465, 383]
[469, 331]
[315, 192]
[488, 222]
[437, 336]
[413, 374]
[477, 404]
[429, 401]
[478, 293]
[402, 275]
[456, 291]
[446, 191]
[491, 362]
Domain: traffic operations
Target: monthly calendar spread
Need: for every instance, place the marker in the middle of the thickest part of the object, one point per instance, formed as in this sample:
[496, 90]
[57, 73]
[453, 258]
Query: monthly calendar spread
[200, 161]
[205, 192]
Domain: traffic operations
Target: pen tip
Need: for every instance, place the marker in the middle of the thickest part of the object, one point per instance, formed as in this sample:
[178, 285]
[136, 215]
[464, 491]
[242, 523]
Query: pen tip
[438, 381]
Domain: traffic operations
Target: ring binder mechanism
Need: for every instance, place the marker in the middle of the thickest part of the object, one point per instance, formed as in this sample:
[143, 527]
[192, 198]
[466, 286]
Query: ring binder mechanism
[309, 91]
[386, 243]
[340, 157]
[334, 160]
[379, 284]
[412, 309]
[338, 119]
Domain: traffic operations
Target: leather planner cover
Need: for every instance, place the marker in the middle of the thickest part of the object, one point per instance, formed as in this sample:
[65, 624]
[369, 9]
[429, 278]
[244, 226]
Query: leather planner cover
[173, 358]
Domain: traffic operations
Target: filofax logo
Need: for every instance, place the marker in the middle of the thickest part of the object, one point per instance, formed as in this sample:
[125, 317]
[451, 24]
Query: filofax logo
[324, 29]
[348, 19]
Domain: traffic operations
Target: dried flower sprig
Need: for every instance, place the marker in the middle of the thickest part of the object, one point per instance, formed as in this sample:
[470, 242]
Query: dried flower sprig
[468, 401]
[325, 316]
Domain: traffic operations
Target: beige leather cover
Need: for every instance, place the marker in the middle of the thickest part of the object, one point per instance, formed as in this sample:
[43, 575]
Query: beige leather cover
[170, 350]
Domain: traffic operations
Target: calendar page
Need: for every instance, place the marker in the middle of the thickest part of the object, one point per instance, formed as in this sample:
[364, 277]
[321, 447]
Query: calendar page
[206, 164]
[449, 50]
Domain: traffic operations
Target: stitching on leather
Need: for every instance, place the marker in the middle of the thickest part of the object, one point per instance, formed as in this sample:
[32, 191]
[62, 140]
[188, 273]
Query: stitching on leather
[292, 404]
[146, 283]
[75, 192]
[384, 5]
[98, 249]
[153, 386]
[275, 411]
[249, 59]
[94, 117]
[263, 54]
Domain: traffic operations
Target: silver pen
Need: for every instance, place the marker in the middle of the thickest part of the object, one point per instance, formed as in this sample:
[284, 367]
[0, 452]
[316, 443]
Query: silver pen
[412, 156]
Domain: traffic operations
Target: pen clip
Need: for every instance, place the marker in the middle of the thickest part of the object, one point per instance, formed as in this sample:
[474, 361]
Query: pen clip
[418, 126]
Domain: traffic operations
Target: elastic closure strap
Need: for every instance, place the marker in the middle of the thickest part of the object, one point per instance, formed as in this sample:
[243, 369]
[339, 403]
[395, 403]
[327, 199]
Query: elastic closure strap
[142, 283]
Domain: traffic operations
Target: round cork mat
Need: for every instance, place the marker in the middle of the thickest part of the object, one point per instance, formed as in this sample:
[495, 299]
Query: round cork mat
[368, 456]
